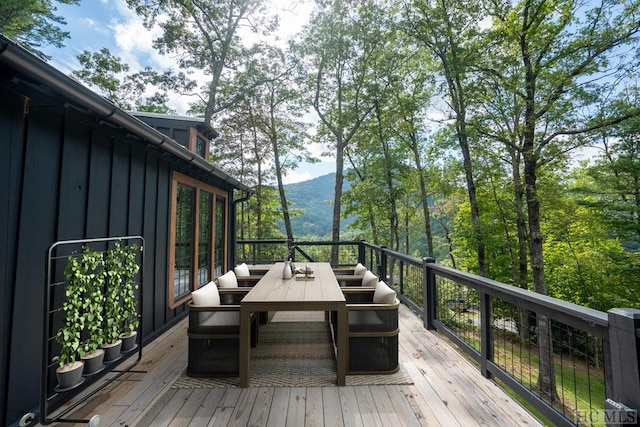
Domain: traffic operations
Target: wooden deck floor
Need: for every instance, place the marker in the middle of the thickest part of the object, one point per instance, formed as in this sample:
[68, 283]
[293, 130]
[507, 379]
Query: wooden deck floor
[448, 390]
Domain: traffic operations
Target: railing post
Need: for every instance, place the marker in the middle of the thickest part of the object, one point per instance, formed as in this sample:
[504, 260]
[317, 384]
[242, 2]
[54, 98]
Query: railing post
[428, 293]
[624, 364]
[382, 268]
[486, 334]
[361, 253]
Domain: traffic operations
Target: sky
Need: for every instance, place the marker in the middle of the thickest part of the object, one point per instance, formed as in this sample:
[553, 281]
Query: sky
[95, 24]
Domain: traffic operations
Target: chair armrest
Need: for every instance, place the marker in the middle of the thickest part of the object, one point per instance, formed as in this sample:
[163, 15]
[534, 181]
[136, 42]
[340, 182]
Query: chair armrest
[248, 281]
[230, 296]
[369, 317]
[358, 295]
[259, 269]
[343, 271]
[349, 280]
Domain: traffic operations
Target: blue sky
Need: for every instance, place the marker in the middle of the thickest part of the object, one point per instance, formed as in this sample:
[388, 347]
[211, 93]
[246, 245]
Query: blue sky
[95, 24]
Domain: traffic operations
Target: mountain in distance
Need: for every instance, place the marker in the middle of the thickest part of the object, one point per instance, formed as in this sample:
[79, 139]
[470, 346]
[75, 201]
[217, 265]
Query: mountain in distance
[315, 197]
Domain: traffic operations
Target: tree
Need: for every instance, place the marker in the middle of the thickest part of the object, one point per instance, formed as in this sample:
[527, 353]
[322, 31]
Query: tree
[33, 23]
[448, 30]
[338, 49]
[204, 34]
[563, 49]
[109, 75]
[280, 121]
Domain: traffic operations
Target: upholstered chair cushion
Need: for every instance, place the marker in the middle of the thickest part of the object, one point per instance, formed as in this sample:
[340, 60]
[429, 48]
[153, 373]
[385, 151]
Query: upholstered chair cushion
[242, 270]
[206, 296]
[359, 269]
[384, 294]
[369, 280]
[228, 280]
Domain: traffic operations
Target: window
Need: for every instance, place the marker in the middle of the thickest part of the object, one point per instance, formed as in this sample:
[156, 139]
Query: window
[200, 147]
[204, 238]
[221, 237]
[198, 143]
[198, 236]
[183, 239]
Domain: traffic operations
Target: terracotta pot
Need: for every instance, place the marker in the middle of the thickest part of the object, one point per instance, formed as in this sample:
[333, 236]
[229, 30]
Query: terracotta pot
[112, 351]
[69, 376]
[128, 341]
[93, 362]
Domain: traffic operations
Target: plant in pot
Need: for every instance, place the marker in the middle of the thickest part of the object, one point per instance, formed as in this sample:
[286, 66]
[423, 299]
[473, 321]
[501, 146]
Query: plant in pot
[93, 308]
[69, 371]
[113, 280]
[129, 318]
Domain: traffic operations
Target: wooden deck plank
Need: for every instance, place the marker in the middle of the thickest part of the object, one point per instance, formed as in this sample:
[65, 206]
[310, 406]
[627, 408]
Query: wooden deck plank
[350, 410]
[261, 407]
[192, 404]
[242, 412]
[297, 407]
[224, 411]
[278, 413]
[332, 406]
[314, 414]
[386, 410]
[368, 408]
[207, 407]
[165, 408]
[403, 408]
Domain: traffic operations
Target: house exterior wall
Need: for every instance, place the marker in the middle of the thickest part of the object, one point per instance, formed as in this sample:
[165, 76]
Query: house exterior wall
[64, 175]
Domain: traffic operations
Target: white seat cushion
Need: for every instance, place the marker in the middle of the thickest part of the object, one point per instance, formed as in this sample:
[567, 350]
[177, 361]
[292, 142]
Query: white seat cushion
[228, 280]
[384, 294]
[359, 269]
[206, 296]
[369, 280]
[242, 270]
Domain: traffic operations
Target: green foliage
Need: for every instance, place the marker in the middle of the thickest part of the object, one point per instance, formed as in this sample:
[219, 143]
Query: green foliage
[82, 307]
[109, 75]
[33, 23]
[129, 318]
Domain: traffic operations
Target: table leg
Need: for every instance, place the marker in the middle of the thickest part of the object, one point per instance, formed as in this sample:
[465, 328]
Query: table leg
[343, 345]
[245, 341]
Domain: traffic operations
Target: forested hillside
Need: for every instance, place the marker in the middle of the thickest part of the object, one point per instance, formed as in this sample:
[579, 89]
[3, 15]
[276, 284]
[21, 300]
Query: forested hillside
[312, 202]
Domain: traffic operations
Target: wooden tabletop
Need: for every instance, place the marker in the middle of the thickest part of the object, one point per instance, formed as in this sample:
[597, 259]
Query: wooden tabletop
[273, 289]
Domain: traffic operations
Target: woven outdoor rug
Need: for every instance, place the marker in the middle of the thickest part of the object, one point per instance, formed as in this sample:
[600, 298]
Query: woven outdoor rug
[293, 353]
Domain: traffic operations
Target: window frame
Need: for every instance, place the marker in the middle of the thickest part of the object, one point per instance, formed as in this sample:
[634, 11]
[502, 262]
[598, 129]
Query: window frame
[193, 142]
[181, 179]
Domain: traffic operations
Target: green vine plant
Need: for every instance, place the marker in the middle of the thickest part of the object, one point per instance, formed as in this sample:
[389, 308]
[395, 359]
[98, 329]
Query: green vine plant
[93, 303]
[69, 334]
[130, 319]
[112, 309]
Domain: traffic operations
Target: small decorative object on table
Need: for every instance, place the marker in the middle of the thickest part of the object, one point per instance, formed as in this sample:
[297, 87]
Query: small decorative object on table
[286, 272]
[305, 274]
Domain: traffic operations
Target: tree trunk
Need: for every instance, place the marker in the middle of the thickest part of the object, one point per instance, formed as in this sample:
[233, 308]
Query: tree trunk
[423, 194]
[273, 136]
[337, 200]
[546, 376]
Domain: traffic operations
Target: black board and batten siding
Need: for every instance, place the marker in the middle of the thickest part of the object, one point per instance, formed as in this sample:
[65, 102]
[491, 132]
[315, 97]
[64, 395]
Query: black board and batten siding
[64, 174]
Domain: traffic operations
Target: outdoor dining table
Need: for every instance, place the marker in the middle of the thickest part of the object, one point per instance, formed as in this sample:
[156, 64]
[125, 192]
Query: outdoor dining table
[321, 292]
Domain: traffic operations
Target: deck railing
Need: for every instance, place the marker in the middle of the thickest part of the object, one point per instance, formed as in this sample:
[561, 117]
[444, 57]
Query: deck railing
[592, 356]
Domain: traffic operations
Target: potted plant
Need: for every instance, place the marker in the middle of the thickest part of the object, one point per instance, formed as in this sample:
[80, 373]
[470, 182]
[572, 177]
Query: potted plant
[113, 280]
[129, 318]
[93, 308]
[69, 371]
